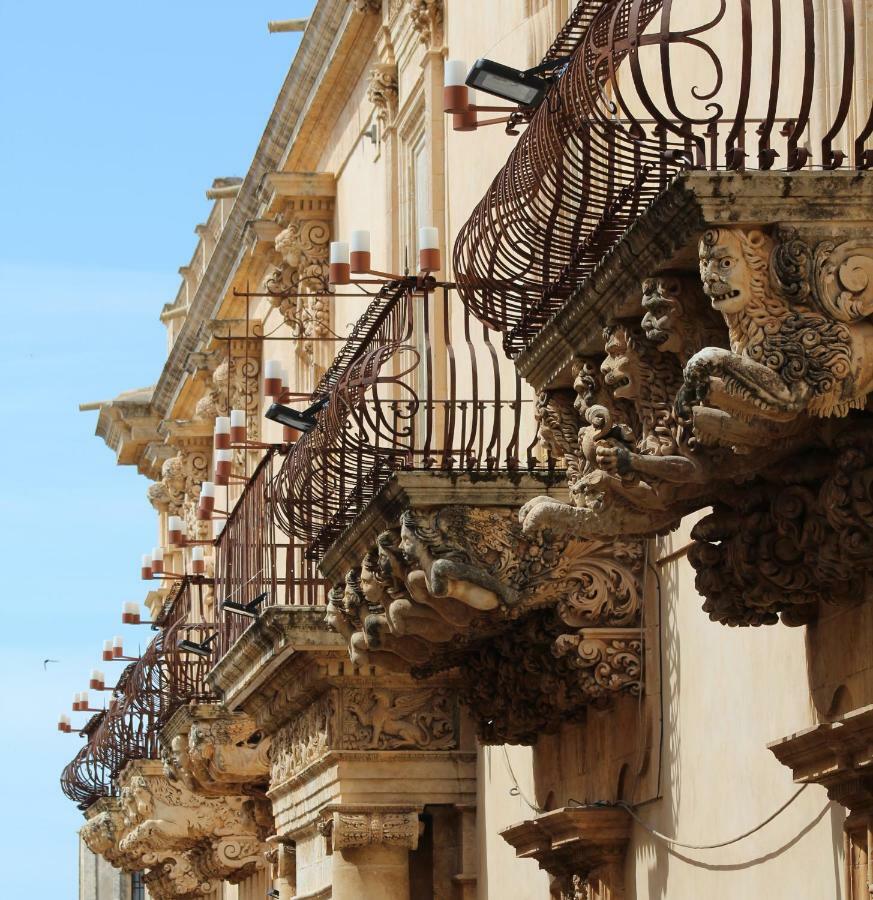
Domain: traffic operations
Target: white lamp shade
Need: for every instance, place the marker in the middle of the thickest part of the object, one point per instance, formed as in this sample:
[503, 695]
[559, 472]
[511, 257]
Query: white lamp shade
[224, 455]
[359, 241]
[272, 368]
[222, 425]
[207, 489]
[146, 561]
[107, 646]
[339, 253]
[117, 641]
[428, 238]
[158, 554]
[237, 418]
[455, 73]
[197, 554]
[174, 523]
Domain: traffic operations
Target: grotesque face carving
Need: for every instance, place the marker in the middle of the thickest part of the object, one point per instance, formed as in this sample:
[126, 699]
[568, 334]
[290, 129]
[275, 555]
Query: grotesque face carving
[724, 267]
[621, 367]
[409, 543]
[663, 322]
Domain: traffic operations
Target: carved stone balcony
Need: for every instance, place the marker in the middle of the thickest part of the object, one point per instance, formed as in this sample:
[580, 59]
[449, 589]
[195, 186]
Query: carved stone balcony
[437, 575]
[358, 752]
[732, 373]
[186, 843]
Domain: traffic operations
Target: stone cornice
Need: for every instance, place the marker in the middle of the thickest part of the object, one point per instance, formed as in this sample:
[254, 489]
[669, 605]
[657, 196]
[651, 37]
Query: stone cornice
[268, 645]
[837, 755]
[666, 236]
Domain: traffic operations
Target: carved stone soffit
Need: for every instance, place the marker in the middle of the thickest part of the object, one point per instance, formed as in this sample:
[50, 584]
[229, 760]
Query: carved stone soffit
[461, 587]
[367, 6]
[426, 17]
[382, 92]
[348, 827]
[582, 849]
[215, 752]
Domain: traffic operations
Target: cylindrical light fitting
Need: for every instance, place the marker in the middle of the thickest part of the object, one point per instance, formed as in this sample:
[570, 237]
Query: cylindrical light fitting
[157, 560]
[428, 249]
[272, 377]
[174, 530]
[96, 681]
[466, 119]
[223, 465]
[146, 567]
[222, 433]
[456, 96]
[198, 563]
[130, 613]
[107, 651]
[340, 267]
[207, 501]
[238, 426]
[117, 646]
[359, 256]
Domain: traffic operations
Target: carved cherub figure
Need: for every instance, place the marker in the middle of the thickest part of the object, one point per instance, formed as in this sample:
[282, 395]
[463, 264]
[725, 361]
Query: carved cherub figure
[793, 349]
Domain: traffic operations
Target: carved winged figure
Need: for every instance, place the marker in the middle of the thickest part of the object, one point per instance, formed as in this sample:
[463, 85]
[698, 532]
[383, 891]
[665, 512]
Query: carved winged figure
[394, 716]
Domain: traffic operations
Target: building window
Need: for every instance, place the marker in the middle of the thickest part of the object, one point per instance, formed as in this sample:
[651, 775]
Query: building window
[137, 887]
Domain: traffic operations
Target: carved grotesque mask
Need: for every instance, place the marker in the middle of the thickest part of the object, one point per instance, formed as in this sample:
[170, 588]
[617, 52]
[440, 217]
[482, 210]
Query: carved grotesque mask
[724, 267]
[621, 367]
[663, 322]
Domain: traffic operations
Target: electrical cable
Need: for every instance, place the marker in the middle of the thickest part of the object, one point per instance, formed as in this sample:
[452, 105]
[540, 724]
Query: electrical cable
[673, 842]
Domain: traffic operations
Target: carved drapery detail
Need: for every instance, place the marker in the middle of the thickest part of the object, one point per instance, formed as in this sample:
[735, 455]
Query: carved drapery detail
[350, 828]
[382, 93]
[554, 620]
[751, 406]
[426, 17]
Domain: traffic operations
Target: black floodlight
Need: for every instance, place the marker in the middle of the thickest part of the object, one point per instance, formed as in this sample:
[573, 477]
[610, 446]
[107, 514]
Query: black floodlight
[249, 609]
[274, 894]
[526, 88]
[302, 420]
[201, 649]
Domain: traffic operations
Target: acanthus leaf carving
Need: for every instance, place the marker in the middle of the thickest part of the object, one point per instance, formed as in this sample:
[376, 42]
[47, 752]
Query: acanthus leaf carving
[426, 17]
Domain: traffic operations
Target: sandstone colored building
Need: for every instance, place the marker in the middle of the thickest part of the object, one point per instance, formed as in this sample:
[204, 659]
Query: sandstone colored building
[558, 587]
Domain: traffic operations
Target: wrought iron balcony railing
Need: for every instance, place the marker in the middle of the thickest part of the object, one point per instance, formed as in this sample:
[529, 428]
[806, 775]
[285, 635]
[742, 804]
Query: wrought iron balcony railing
[256, 558]
[420, 387]
[148, 692]
[651, 88]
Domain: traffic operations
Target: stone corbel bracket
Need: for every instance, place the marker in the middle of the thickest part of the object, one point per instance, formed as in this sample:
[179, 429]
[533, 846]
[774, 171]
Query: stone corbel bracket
[581, 848]
[454, 583]
[215, 752]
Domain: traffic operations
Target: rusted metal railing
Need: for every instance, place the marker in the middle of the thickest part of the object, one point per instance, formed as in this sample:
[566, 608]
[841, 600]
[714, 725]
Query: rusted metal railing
[425, 392]
[256, 558]
[147, 693]
[653, 87]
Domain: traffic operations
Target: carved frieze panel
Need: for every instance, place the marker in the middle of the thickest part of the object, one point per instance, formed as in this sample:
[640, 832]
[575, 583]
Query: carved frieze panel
[385, 719]
[744, 388]
[306, 738]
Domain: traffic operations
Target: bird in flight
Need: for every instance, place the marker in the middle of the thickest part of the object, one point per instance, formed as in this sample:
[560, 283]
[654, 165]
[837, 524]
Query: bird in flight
[45, 662]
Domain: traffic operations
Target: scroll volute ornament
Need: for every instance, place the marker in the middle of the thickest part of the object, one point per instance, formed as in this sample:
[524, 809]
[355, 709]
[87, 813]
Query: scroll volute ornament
[382, 92]
[426, 17]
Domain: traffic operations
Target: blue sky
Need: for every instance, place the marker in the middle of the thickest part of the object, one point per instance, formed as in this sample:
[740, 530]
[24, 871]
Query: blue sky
[115, 119]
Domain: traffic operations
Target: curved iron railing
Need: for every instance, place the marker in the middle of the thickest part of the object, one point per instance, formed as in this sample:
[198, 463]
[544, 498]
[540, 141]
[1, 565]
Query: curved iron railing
[425, 393]
[147, 693]
[622, 119]
[255, 557]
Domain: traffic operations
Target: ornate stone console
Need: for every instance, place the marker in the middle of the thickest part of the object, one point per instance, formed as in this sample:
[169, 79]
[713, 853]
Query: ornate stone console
[583, 849]
[362, 757]
[438, 575]
[720, 357]
[186, 843]
[839, 756]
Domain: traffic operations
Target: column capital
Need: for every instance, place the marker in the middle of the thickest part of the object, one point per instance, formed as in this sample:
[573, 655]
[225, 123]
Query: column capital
[354, 826]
